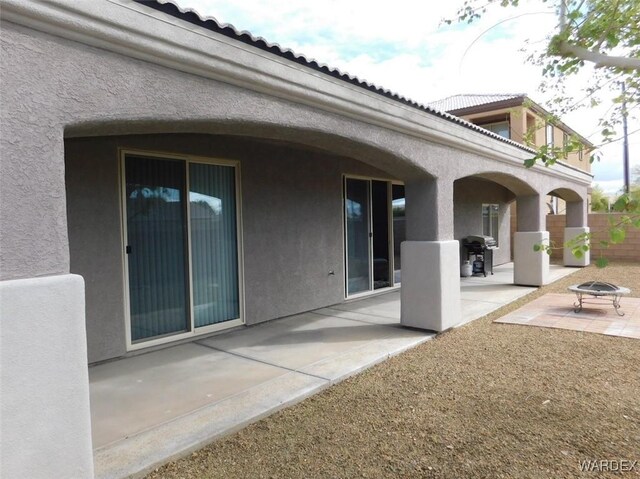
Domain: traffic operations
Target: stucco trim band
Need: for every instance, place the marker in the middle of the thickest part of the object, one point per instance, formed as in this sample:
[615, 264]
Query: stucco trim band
[118, 26]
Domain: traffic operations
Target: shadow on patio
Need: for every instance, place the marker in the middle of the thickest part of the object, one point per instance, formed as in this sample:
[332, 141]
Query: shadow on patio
[159, 405]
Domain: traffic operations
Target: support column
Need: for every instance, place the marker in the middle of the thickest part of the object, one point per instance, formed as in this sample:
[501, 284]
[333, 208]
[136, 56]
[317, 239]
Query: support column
[531, 268]
[46, 420]
[430, 294]
[576, 226]
[46, 425]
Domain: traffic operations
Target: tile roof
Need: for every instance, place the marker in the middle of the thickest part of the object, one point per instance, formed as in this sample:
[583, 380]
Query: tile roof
[458, 102]
[211, 24]
[461, 105]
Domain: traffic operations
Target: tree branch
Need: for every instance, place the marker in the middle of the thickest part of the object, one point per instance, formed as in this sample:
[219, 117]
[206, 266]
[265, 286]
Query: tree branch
[566, 49]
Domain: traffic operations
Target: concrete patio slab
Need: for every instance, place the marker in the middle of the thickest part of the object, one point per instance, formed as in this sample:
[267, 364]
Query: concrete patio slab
[168, 440]
[365, 318]
[482, 295]
[130, 396]
[385, 305]
[160, 405]
[302, 340]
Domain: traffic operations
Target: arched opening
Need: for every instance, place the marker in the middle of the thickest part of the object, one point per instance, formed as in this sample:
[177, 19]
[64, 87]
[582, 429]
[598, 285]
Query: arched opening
[567, 226]
[484, 205]
[260, 229]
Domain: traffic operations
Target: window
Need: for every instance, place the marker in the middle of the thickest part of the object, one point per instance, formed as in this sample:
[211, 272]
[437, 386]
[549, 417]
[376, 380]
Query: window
[549, 135]
[500, 128]
[491, 220]
[565, 144]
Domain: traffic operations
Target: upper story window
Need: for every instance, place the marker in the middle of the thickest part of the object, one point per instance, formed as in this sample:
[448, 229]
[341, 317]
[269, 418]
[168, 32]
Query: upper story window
[500, 128]
[549, 135]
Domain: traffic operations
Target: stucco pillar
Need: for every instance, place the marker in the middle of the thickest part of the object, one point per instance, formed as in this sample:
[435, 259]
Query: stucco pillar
[576, 226]
[46, 421]
[430, 294]
[531, 268]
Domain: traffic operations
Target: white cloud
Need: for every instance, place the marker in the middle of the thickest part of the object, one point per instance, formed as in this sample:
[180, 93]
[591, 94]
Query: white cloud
[611, 188]
[403, 47]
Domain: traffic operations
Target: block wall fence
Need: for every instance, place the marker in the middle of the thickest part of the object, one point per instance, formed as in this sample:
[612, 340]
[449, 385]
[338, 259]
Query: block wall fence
[629, 250]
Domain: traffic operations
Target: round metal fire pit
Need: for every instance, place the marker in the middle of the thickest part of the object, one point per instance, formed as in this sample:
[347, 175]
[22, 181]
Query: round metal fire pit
[600, 292]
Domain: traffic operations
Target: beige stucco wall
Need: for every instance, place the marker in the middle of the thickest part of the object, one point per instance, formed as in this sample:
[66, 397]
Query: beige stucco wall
[522, 119]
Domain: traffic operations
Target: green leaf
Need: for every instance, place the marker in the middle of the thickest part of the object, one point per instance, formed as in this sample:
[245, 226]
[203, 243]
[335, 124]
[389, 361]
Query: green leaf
[617, 235]
[621, 203]
[602, 262]
[585, 247]
[604, 244]
[530, 162]
[578, 253]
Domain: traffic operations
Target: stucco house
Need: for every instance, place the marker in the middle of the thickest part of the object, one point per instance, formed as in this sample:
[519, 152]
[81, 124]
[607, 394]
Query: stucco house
[164, 177]
[518, 117]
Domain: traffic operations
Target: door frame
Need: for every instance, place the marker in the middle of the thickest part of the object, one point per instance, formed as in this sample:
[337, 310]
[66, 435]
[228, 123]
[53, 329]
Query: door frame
[193, 331]
[390, 241]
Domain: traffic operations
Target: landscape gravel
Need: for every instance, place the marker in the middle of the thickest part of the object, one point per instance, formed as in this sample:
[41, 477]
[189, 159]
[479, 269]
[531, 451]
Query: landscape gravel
[485, 400]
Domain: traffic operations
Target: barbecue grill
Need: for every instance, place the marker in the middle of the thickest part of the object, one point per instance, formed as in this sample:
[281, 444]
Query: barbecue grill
[481, 249]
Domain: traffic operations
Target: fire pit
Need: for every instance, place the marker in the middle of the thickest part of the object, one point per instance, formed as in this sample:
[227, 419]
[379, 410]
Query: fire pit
[600, 292]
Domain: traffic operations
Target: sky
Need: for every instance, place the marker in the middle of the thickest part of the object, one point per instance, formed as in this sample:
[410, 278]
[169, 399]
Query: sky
[403, 46]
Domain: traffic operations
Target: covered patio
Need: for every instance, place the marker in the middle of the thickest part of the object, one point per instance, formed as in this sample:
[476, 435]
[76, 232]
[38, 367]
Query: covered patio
[213, 386]
[174, 192]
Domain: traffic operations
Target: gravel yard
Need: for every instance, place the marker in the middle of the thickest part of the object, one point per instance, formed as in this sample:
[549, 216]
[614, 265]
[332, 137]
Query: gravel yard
[483, 401]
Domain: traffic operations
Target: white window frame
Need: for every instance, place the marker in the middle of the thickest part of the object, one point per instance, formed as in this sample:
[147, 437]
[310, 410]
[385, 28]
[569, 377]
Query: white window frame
[488, 126]
[193, 332]
[490, 210]
[549, 135]
[391, 239]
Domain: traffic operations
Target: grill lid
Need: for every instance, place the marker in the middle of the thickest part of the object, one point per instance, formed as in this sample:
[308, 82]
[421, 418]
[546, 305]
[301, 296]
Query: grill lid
[480, 239]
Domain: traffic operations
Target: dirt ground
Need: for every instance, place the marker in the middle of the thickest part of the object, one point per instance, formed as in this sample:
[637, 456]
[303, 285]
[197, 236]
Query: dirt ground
[485, 400]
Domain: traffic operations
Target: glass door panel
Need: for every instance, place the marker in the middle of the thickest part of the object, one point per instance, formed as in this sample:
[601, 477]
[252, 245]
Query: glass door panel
[380, 217]
[214, 252]
[357, 230]
[399, 230]
[156, 247]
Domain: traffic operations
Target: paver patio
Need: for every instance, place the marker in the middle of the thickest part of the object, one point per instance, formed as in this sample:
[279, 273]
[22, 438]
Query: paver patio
[555, 310]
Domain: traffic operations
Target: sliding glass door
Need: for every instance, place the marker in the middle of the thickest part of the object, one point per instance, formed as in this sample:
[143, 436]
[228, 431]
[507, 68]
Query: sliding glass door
[214, 253]
[181, 246]
[399, 228]
[357, 225]
[370, 228]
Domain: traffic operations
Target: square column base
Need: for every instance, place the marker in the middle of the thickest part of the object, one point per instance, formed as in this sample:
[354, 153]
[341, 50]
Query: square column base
[568, 257]
[430, 293]
[46, 422]
[530, 268]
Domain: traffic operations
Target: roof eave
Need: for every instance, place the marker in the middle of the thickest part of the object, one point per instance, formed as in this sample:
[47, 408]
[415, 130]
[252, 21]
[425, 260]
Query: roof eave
[119, 26]
[495, 105]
